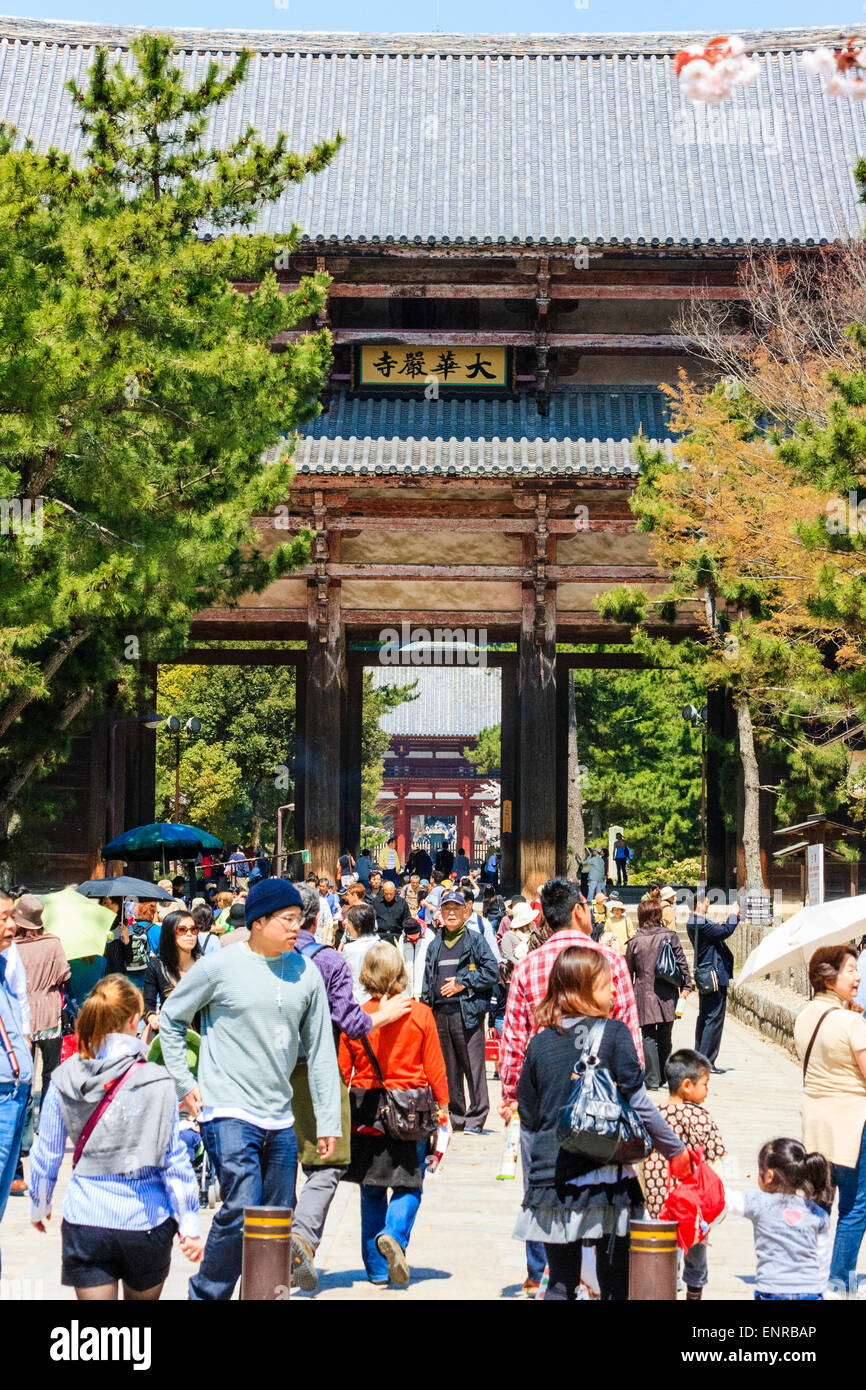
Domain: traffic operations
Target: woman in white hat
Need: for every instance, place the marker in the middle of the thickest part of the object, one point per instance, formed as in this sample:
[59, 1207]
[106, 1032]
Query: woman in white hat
[514, 946]
[515, 942]
[618, 929]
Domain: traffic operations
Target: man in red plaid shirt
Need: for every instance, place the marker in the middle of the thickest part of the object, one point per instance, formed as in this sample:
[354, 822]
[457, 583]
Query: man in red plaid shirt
[567, 914]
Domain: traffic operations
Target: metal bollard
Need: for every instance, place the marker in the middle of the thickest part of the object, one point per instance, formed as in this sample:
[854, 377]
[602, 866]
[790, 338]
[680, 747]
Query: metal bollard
[266, 1269]
[652, 1270]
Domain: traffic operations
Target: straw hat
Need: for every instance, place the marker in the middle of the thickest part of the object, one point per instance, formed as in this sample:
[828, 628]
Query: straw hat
[524, 916]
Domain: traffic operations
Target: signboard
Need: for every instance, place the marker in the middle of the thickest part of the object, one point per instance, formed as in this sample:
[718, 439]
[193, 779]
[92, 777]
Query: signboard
[815, 868]
[506, 818]
[396, 367]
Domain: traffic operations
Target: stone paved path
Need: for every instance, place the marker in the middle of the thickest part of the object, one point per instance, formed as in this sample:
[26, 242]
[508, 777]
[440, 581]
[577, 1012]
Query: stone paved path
[462, 1246]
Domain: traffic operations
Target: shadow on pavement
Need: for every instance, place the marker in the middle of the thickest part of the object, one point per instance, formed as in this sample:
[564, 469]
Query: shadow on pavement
[342, 1279]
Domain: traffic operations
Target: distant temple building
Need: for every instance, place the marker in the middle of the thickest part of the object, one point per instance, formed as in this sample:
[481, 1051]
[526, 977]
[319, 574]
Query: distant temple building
[426, 773]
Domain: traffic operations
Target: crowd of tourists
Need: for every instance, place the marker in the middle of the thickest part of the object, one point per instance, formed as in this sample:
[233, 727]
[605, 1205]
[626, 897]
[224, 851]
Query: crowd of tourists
[285, 1037]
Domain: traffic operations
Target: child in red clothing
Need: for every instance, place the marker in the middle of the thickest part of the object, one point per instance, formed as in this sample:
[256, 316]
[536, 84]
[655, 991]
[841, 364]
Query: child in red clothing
[688, 1078]
[409, 1055]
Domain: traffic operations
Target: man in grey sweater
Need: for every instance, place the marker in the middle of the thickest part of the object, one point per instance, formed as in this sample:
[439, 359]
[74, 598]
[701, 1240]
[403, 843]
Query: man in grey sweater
[256, 1001]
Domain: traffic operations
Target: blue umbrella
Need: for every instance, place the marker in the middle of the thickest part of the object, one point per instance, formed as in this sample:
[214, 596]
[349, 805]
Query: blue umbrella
[162, 840]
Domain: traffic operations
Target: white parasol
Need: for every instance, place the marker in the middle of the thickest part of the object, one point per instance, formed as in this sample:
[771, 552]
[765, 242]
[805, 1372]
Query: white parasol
[792, 944]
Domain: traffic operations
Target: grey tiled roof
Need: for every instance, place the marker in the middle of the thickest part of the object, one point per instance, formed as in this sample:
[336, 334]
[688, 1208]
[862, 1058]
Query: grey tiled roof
[587, 412]
[452, 701]
[469, 457]
[505, 139]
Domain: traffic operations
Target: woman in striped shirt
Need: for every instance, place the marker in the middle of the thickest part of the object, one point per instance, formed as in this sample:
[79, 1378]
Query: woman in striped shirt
[132, 1185]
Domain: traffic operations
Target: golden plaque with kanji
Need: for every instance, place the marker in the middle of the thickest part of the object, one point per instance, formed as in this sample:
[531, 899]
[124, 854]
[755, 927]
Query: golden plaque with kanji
[397, 367]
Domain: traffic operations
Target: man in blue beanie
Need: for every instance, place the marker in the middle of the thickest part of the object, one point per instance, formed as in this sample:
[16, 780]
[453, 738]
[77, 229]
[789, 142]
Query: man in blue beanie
[255, 1002]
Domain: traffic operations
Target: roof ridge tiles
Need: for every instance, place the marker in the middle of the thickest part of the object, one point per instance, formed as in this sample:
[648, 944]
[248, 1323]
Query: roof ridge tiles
[78, 33]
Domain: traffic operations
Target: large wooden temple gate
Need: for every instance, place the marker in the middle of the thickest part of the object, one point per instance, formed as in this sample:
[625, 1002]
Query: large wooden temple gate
[520, 544]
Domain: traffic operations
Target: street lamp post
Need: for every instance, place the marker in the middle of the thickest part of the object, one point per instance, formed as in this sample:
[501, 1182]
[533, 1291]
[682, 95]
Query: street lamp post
[698, 719]
[289, 806]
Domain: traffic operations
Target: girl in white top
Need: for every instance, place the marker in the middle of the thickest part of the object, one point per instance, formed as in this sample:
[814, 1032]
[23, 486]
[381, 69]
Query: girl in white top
[791, 1220]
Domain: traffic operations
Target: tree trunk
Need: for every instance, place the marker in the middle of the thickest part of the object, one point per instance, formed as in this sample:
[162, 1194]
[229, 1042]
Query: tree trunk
[751, 783]
[576, 834]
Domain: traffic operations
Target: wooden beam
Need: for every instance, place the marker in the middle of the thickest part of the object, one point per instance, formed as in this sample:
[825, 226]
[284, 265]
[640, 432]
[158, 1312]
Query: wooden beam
[412, 488]
[505, 290]
[237, 656]
[602, 661]
[589, 573]
[507, 525]
[562, 526]
[445, 571]
[485, 337]
[513, 525]
[448, 570]
[377, 618]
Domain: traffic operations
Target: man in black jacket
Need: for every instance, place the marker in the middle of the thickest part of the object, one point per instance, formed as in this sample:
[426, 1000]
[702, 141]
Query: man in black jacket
[391, 913]
[444, 861]
[459, 974]
[711, 950]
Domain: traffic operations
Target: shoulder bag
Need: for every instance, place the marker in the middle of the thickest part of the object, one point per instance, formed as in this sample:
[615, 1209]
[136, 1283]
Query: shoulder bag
[101, 1108]
[667, 970]
[10, 1053]
[706, 975]
[595, 1121]
[411, 1115]
[808, 1052]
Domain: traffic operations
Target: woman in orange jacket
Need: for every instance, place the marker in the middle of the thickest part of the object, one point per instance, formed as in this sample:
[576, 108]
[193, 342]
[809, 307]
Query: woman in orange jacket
[409, 1055]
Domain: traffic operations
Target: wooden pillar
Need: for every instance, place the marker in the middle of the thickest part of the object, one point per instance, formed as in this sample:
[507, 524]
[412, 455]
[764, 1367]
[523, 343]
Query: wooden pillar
[351, 755]
[325, 702]
[465, 834]
[508, 777]
[298, 768]
[536, 683]
[401, 829]
[537, 687]
[563, 691]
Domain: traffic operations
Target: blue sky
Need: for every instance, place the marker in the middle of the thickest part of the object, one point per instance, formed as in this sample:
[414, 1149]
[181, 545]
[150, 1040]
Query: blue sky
[456, 16]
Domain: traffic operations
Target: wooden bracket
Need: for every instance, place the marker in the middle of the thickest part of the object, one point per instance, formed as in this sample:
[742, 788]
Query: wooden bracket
[540, 576]
[542, 305]
[320, 560]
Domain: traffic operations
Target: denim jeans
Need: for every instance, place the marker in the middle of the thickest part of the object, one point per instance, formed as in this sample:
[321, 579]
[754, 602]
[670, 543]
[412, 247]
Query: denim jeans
[256, 1168]
[394, 1217]
[694, 1266]
[851, 1225]
[50, 1050]
[13, 1112]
